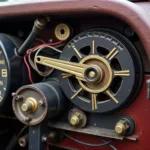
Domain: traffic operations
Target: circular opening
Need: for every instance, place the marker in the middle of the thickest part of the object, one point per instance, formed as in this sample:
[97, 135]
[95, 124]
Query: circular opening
[85, 96]
[74, 59]
[85, 50]
[38, 58]
[115, 85]
[115, 64]
[22, 143]
[102, 97]
[102, 51]
[74, 83]
[62, 31]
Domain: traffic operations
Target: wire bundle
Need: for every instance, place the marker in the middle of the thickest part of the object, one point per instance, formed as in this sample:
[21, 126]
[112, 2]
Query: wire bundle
[36, 50]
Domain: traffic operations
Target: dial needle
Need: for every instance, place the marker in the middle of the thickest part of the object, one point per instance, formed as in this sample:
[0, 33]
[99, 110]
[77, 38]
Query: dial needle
[65, 66]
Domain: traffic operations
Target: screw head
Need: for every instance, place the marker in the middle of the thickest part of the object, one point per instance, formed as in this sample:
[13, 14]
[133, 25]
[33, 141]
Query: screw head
[44, 138]
[18, 97]
[13, 94]
[22, 142]
[27, 119]
[92, 74]
[41, 103]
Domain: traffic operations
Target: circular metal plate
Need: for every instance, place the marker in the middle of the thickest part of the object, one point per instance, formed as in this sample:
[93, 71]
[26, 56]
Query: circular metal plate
[105, 46]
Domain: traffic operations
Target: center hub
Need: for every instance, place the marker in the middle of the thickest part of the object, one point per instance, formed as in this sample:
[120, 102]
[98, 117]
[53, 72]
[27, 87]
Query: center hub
[93, 74]
[98, 74]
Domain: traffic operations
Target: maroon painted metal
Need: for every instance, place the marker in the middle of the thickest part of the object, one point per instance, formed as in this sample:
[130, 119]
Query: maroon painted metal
[135, 14]
[139, 110]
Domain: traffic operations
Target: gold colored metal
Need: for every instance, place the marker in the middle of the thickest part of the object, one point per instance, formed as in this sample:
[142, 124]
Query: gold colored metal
[62, 32]
[121, 127]
[107, 75]
[122, 73]
[74, 120]
[66, 75]
[73, 96]
[29, 105]
[1, 98]
[77, 52]
[112, 97]
[93, 47]
[92, 74]
[94, 102]
[112, 54]
[76, 69]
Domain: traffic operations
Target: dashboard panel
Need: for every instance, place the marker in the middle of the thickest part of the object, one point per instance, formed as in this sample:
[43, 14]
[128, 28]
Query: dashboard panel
[75, 74]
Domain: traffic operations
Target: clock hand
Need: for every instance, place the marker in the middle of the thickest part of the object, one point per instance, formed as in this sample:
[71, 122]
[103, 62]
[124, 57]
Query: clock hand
[69, 67]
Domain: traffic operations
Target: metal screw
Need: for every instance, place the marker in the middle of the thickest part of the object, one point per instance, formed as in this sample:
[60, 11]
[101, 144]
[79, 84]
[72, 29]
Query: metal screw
[13, 94]
[44, 138]
[51, 40]
[41, 103]
[27, 119]
[18, 97]
[22, 142]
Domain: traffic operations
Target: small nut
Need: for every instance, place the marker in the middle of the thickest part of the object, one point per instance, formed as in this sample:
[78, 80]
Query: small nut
[44, 138]
[13, 94]
[27, 119]
[41, 103]
[18, 97]
[121, 127]
[22, 142]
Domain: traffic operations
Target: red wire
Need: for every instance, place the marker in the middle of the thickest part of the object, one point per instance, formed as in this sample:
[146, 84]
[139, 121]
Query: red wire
[29, 52]
[29, 71]
[47, 146]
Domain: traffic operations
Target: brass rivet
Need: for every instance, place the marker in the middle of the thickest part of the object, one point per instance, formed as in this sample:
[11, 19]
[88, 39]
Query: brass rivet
[92, 74]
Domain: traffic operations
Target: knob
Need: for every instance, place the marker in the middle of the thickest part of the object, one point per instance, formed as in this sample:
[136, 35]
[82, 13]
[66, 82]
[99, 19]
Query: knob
[121, 127]
[29, 105]
[40, 101]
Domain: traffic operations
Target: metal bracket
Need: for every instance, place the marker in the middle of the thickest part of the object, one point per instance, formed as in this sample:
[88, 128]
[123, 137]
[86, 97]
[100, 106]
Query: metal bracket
[92, 131]
[37, 138]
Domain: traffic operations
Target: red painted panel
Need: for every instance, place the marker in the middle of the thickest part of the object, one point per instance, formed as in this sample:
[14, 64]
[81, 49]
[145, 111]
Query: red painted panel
[139, 110]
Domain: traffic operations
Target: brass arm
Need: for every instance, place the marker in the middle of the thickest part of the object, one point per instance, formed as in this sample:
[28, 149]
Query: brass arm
[65, 66]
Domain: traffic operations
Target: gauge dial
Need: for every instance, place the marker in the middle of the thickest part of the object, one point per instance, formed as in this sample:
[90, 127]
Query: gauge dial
[116, 71]
[9, 70]
[3, 74]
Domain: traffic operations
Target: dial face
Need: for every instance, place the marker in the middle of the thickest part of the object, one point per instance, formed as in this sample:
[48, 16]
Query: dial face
[3, 75]
[115, 72]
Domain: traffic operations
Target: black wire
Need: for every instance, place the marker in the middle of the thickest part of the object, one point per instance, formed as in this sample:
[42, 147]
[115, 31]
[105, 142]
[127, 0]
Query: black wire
[113, 147]
[24, 47]
[22, 130]
[89, 144]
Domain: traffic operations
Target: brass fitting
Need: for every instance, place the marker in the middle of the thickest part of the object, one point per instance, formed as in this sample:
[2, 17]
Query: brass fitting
[75, 119]
[29, 105]
[92, 74]
[40, 22]
[62, 32]
[121, 127]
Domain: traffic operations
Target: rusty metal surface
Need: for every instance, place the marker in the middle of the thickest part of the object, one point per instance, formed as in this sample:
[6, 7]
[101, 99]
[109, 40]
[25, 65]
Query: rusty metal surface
[92, 131]
[132, 13]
